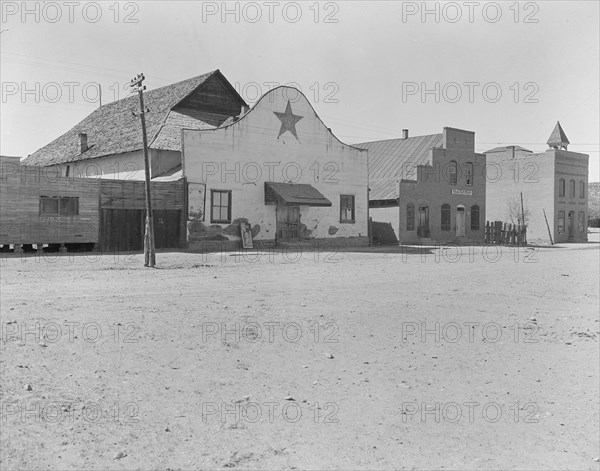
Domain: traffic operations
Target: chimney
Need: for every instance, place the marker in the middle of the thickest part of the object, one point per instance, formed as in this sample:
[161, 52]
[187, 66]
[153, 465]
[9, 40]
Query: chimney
[405, 134]
[83, 145]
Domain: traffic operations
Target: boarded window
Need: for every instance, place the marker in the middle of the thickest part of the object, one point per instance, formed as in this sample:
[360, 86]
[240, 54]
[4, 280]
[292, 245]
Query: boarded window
[571, 188]
[445, 217]
[220, 206]
[469, 173]
[475, 218]
[582, 189]
[346, 208]
[59, 206]
[581, 222]
[561, 222]
[452, 173]
[561, 187]
[410, 217]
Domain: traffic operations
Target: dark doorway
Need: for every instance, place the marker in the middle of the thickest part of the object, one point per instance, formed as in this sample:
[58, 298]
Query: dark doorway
[288, 222]
[423, 228]
[571, 225]
[123, 229]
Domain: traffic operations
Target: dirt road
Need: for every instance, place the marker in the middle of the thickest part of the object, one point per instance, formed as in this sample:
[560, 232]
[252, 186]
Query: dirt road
[478, 360]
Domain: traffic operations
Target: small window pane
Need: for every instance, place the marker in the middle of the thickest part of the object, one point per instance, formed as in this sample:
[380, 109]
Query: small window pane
[69, 206]
[452, 172]
[469, 173]
[347, 208]
[49, 206]
[220, 206]
[582, 189]
[561, 187]
[572, 188]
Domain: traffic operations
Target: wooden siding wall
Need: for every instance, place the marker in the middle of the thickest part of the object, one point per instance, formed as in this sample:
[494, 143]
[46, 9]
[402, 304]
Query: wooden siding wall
[20, 219]
[166, 196]
[118, 194]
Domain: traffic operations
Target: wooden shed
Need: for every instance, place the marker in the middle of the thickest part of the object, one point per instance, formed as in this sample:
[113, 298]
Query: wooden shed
[39, 207]
[122, 214]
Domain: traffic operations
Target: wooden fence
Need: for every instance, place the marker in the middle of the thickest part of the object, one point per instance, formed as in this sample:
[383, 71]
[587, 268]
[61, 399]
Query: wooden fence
[497, 232]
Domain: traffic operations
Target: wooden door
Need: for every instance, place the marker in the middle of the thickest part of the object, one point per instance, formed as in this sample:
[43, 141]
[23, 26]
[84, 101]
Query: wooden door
[288, 222]
[166, 229]
[571, 225]
[460, 221]
[121, 230]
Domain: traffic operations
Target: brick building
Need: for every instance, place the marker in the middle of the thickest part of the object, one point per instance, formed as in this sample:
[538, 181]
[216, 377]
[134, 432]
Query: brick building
[554, 182]
[429, 188]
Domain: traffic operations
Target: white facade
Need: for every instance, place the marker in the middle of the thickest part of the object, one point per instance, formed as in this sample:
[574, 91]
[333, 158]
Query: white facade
[282, 140]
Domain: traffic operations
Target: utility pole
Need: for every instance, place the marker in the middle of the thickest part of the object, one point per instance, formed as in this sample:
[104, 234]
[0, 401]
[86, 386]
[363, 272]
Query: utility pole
[149, 253]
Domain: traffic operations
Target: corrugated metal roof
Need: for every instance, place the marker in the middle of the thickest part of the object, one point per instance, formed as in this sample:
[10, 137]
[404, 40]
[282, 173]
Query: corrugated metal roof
[396, 159]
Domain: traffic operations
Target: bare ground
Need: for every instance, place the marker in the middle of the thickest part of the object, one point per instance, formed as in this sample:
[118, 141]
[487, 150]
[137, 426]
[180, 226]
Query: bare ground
[331, 361]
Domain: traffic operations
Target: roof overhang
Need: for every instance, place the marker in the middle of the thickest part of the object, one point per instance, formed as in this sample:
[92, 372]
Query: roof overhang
[294, 194]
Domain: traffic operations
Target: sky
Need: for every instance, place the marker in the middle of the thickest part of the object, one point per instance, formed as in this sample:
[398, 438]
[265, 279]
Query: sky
[506, 70]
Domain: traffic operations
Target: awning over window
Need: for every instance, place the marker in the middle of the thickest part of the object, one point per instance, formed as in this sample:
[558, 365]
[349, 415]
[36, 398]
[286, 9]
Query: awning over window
[292, 194]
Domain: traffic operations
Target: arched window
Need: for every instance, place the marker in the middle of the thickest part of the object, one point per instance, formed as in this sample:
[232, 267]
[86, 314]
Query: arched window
[469, 173]
[582, 189]
[445, 217]
[452, 172]
[410, 217]
[561, 187]
[561, 222]
[581, 221]
[571, 188]
[474, 217]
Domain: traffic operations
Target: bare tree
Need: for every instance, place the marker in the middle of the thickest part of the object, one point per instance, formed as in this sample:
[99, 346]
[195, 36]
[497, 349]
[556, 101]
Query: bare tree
[515, 214]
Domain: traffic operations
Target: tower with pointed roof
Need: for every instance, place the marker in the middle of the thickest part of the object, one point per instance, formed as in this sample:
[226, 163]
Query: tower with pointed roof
[553, 185]
[558, 139]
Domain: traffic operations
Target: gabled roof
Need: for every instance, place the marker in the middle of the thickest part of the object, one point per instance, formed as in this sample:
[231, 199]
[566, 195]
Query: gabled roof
[558, 138]
[389, 159]
[113, 129]
[503, 149]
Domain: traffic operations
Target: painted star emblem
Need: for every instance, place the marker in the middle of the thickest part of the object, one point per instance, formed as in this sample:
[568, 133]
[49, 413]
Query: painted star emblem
[288, 121]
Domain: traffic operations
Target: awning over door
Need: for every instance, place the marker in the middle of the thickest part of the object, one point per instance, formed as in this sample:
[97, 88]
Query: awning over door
[294, 194]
